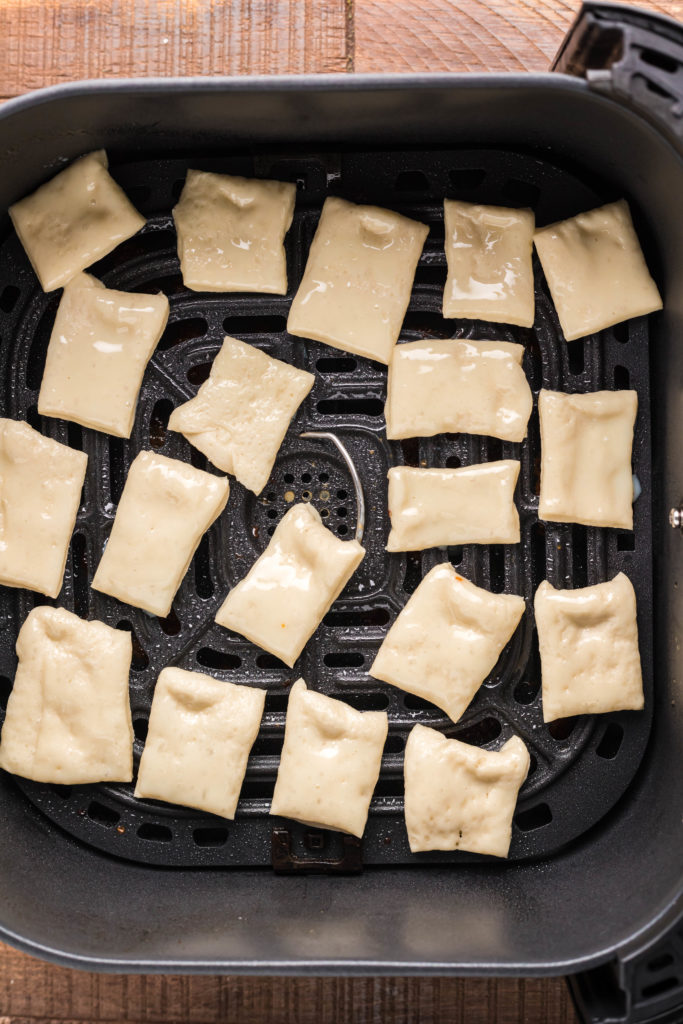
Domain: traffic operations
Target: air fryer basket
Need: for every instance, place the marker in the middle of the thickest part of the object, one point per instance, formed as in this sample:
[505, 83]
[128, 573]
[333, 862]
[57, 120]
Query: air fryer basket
[81, 870]
[580, 766]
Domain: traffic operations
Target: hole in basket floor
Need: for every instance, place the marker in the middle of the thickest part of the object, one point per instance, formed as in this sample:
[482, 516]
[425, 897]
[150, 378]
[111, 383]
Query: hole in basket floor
[215, 836]
[155, 833]
[209, 658]
[610, 744]
[105, 815]
[533, 818]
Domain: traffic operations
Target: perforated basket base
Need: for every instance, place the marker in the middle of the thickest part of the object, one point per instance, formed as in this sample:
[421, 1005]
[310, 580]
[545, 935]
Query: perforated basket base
[579, 767]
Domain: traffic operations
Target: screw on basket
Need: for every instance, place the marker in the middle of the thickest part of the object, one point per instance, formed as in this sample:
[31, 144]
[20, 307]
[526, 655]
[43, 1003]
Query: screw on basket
[357, 485]
[676, 518]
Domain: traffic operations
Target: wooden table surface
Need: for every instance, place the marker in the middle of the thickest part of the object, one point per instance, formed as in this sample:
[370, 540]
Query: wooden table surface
[47, 41]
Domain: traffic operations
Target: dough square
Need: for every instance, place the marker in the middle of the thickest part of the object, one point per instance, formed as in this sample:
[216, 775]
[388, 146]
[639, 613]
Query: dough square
[231, 233]
[330, 762]
[100, 345]
[458, 386]
[490, 275]
[596, 271]
[290, 588]
[165, 508]
[586, 444]
[588, 639]
[460, 797]
[41, 491]
[431, 508]
[357, 283]
[447, 639]
[200, 733]
[240, 415]
[68, 716]
[73, 220]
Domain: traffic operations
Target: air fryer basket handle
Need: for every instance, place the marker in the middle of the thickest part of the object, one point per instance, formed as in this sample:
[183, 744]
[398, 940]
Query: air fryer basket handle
[634, 56]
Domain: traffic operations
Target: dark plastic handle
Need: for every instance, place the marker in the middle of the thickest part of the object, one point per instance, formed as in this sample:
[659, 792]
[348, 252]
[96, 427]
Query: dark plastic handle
[637, 58]
[634, 56]
[646, 988]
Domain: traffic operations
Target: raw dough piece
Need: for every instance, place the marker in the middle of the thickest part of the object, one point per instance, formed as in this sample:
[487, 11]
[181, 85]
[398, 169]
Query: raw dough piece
[358, 278]
[434, 507]
[586, 443]
[285, 595]
[447, 639]
[165, 508]
[200, 733]
[469, 387]
[596, 270]
[68, 717]
[40, 490]
[100, 345]
[73, 220]
[460, 797]
[588, 640]
[330, 761]
[231, 233]
[240, 415]
[490, 277]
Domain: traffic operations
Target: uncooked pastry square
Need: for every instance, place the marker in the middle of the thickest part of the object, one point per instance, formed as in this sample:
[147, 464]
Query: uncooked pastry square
[200, 733]
[100, 345]
[231, 233]
[437, 507]
[586, 443]
[458, 386]
[165, 508]
[285, 595]
[447, 639]
[73, 220]
[459, 797]
[358, 279]
[330, 761]
[240, 415]
[68, 717]
[490, 276]
[588, 640]
[596, 270]
[41, 491]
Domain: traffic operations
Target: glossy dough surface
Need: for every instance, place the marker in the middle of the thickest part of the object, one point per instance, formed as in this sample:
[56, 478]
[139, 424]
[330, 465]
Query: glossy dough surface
[586, 444]
[100, 345]
[68, 717]
[200, 733]
[596, 270]
[433, 507]
[447, 639]
[470, 387]
[459, 797]
[41, 483]
[588, 638]
[358, 279]
[330, 761]
[231, 233]
[165, 508]
[240, 415]
[73, 220]
[282, 600]
[490, 276]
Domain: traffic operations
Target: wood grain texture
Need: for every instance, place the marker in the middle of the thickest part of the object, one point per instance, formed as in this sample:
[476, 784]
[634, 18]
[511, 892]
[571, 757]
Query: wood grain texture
[466, 35]
[48, 41]
[31, 991]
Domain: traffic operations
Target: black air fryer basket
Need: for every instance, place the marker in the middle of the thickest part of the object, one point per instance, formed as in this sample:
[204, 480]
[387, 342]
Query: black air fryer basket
[91, 877]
